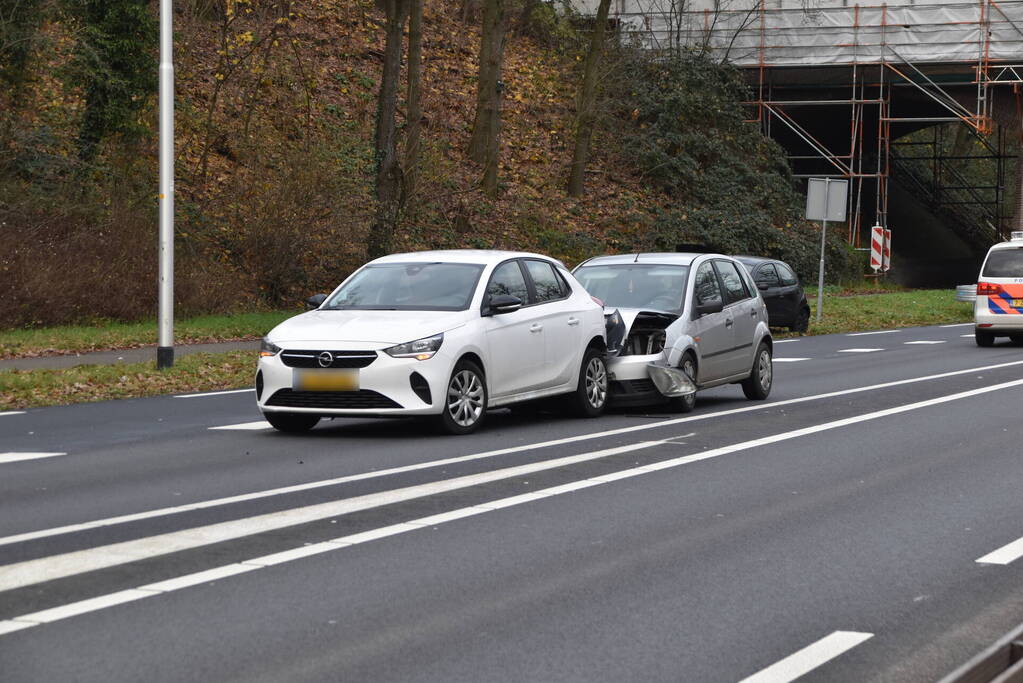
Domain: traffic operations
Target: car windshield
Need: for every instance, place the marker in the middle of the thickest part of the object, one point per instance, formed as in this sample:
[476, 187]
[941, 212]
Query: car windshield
[636, 285]
[409, 287]
[1004, 263]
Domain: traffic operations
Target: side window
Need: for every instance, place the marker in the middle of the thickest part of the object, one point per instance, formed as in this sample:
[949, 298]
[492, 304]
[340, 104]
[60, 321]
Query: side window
[735, 287]
[545, 281]
[706, 287]
[786, 275]
[507, 279]
[767, 275]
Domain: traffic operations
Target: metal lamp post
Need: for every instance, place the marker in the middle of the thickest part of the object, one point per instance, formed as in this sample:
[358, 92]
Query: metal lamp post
[165, 347]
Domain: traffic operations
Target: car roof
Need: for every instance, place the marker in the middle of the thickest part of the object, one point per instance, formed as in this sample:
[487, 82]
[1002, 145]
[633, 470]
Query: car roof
[756, 260]
[1014, 242]
[474, 256]
[654, 258]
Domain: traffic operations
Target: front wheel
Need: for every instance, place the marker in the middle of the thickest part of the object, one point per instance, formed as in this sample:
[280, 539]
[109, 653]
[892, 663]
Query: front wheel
[758, 385]
[291, 422]
[984, 338]
[590, 396]
[466, 400]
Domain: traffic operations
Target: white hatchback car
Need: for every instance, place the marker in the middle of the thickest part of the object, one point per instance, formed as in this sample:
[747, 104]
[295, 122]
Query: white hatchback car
[998, 310]
[678, 323]
[440, 333]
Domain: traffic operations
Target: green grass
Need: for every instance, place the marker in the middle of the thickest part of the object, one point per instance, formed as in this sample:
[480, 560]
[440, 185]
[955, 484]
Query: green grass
[862, 312]
[77, 339]
[20, 389]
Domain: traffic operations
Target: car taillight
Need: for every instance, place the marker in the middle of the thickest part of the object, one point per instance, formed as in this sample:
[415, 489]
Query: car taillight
[988, 289]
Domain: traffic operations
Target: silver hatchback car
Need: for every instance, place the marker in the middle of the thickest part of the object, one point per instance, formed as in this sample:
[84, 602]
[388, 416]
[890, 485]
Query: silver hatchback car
[678, 323]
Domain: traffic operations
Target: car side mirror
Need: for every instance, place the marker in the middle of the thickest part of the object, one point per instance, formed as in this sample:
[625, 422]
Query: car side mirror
[504, 303]
[715, 305]
[763, 286]
[315, 301]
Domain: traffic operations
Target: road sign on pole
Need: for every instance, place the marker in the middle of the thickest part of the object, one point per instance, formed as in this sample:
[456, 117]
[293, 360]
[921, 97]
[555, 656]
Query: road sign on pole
[876, 247]
[825, 201]
[886, 260]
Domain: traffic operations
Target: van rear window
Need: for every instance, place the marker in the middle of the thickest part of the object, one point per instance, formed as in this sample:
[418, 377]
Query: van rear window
[1004, 263]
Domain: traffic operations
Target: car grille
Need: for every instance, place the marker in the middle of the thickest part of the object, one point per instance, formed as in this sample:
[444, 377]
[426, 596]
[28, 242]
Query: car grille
[295, 358]
[633, 386]
[337, 400]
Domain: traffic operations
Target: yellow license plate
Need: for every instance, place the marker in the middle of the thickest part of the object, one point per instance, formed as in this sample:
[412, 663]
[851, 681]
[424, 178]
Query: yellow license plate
[1017, 303]
[326, 380]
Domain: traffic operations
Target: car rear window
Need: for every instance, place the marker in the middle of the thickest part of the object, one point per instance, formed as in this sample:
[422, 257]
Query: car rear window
[1004, 263]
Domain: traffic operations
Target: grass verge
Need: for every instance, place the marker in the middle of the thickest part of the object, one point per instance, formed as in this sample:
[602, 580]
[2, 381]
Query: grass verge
[48, 341]
[20, 389]
[862, 312]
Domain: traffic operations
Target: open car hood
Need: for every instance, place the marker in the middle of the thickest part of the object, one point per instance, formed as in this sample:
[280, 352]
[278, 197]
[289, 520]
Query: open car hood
[620, 321]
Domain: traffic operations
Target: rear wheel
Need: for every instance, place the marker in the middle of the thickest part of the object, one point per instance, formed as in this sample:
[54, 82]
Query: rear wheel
[802, 321]
[590, 395]
[291, 422]
[984, 338]
[466, 401]
[685, 404]
[758, 385]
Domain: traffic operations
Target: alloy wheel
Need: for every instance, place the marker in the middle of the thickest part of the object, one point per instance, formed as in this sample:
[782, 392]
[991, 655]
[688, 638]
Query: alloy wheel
[596, 382]
[465, 398]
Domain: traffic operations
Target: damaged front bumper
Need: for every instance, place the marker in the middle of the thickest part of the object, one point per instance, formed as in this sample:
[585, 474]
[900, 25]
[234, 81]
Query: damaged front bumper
[671, 382]
[645, 380]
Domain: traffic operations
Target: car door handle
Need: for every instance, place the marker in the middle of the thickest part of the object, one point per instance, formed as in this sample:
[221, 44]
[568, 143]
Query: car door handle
[573, 321]
[753, 313]
[728, 322]
[536, 327]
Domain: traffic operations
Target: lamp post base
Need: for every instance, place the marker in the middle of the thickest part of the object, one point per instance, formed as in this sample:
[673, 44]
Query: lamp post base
[164, 357]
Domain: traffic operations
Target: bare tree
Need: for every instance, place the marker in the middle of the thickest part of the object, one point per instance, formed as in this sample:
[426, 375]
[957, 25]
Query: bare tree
[485, 142]
[414, 100]
[587, 99]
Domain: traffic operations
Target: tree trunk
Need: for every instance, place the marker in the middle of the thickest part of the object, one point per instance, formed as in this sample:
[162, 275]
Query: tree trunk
[388, 170]
[587, 115]
[491, 54]
[414, 100]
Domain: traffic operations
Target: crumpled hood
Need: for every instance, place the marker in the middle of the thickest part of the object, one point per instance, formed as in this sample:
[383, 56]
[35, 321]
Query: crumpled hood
[629, 315]
[366, 327]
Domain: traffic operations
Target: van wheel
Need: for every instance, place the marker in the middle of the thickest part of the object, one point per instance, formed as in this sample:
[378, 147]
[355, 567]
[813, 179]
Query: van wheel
[465, 403]
[685, 404]
[291, 422]
[984, 338]
[758, 385]
[590, 396]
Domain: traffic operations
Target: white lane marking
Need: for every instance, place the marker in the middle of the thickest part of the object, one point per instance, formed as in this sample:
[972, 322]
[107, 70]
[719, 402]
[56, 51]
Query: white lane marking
[809, 658]
[1005, 555]
[197, 578]
[784, 341]
[788, 360]
[864, 334]
[12, 412]
[262, 424]
[214, 393]
[956, 325]
[160, 512]
[859, 350]
[30, 572]
[73, 609]
[968, 335]
[17, 457]
[93, 604]
[925, 341]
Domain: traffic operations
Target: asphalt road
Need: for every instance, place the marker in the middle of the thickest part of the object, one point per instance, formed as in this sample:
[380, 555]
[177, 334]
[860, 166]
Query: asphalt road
[832, 531]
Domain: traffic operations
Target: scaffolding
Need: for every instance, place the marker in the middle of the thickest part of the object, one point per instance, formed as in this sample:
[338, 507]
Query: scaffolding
[890, 68]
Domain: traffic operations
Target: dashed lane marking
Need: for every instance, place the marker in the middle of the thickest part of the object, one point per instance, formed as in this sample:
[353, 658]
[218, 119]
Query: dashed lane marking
[956, 325]
[787, 669]
[864, 334]
[926, 341]
[1005, 555]
[809, 658]
[784, 341]
[18, 457]
[859, 350]
[12, 412]
[788, 360]
[215, 393]
[161, 512]
[252, 426]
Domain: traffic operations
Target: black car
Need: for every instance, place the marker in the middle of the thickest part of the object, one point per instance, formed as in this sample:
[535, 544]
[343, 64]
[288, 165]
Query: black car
[780, 288]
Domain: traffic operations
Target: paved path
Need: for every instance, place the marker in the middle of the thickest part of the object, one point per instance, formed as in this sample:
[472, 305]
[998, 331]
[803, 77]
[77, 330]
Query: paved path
[117, 357]
[863, 524]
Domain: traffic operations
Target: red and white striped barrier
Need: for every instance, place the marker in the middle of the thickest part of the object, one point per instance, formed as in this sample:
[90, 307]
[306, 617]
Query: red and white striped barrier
[886, 262]
[876, 247]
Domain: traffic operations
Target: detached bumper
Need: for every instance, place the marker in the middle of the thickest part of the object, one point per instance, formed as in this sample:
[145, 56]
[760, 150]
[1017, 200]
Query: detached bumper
[644, 380]
[671, 382]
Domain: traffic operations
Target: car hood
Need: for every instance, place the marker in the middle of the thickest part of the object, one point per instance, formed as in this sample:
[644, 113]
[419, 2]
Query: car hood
[629, 315]
[367, 327]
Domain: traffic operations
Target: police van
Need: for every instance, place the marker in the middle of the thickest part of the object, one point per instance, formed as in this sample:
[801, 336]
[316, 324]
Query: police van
[998, 311]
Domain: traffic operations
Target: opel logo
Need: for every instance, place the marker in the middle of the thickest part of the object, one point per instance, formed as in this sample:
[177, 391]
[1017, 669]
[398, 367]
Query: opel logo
[326, 359]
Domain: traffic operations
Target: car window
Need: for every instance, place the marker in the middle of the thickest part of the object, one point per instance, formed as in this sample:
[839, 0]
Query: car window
[735, 287]
[786, 275]
[767, 275]
[706, 286]
[1004, 263]
[508, 279]
[546, 283]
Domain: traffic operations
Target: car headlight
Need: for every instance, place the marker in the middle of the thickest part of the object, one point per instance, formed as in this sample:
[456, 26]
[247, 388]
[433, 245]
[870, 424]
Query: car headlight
[420, 349]
[268, 348]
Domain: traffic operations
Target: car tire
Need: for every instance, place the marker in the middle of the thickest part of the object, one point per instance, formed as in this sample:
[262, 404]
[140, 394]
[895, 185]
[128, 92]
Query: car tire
[465, 399]
[685, 404]
[984, 339]
[590, 396]
[757, 386]
[802, 321]
[291, 422]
